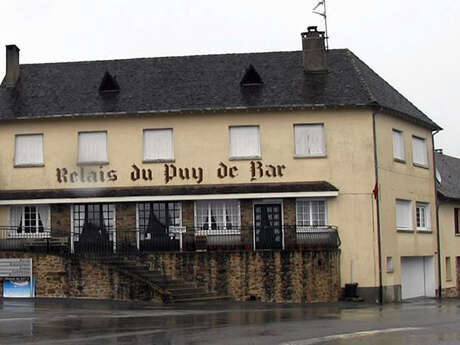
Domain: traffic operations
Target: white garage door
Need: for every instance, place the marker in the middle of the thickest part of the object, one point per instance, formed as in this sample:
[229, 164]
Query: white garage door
[417, 276]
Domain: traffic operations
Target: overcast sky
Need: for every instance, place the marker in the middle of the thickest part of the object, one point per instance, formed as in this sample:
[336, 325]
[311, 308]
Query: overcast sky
[413, 44]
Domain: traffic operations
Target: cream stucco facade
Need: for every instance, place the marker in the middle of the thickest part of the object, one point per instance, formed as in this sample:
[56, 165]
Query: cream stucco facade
[408, 181]
[201, 141]
[450, 244]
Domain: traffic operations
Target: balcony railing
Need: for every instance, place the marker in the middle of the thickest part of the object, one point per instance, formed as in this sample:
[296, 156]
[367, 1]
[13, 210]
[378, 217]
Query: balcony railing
[137, 241]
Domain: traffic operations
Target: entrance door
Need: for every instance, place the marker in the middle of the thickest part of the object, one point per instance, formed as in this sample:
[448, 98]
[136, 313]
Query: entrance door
[268, 232]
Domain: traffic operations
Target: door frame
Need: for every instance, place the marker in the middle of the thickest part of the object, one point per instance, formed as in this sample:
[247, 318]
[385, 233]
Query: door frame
[265, 202]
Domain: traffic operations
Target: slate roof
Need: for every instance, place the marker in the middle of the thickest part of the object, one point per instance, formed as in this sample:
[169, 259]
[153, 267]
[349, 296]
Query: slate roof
[200, 83]
[449, 169]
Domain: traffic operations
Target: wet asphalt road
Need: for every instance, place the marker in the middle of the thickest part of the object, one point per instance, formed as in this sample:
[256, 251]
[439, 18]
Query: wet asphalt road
[46, 321]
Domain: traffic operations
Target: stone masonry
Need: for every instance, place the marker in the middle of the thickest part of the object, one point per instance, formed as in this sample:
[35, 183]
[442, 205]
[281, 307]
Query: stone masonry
[269, 276]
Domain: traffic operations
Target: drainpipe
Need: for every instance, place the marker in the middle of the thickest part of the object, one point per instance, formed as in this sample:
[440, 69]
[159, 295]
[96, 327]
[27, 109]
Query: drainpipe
[379, 241]
[438, 236]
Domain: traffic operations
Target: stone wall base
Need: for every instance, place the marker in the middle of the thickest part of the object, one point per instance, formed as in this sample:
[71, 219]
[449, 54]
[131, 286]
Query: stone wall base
[269, 276]
[450, 292]
[58, 276]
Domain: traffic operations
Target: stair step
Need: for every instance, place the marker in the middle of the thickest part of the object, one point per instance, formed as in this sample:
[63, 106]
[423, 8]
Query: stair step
[171, 284]
[200, 294]
[182, 290]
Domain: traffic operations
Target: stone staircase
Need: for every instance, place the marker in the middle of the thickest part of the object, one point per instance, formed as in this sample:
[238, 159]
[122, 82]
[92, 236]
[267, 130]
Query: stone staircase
[170, 290]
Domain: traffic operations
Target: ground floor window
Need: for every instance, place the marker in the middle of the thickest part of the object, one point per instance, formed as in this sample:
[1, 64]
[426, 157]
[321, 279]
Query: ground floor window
[93, 222]
[311, 212]
[217, 215]
[157, 217]
[29, 220]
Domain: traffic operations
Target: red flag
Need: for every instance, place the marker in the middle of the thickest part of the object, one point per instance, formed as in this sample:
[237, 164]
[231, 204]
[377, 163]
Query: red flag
[376, 190]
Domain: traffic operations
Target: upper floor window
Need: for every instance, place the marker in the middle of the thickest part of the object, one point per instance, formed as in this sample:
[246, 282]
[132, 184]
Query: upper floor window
[404, 214]
[456, 221]
[309, 140]
[29, 221]
[92, 148]
[244, 142]
[423, 216]
[218, 215]
[28, 150]
[158, 145]
[399, 152]
[419, 151]
[311, 213]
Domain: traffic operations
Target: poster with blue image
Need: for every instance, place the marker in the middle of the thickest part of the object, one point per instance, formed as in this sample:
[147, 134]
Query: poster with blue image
[19, 288]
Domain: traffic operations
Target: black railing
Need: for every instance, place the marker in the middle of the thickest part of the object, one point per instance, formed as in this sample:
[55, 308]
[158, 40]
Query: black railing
[111, 241]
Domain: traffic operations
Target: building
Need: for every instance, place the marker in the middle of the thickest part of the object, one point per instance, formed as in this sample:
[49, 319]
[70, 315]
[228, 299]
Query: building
[448, 188]
[270, 155]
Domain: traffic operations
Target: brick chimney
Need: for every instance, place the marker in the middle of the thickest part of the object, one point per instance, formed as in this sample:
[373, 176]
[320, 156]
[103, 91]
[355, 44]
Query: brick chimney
[314, 50]
[12, 66]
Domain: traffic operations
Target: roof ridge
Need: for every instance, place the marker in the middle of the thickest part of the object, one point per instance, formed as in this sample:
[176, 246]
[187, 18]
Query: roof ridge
[361, 79]
[167, 57]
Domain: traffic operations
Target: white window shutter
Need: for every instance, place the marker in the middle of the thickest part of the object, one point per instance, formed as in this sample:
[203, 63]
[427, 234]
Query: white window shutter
[92, 147]
[398, 145]
[244, 141]
[44, 212]
[420, 155]
[15, 216]
[158, 144]
[29, 149]
[403, 214]
[309, 140]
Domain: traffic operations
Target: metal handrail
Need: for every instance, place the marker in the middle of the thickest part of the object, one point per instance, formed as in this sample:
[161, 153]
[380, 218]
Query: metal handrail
[136, 240]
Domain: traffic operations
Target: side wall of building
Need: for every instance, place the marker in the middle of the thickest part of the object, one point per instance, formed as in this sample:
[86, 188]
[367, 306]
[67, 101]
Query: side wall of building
[402, 179]
[450, 250]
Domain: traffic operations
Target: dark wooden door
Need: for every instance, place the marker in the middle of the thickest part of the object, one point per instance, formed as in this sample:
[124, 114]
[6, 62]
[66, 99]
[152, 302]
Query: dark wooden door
[268, 232]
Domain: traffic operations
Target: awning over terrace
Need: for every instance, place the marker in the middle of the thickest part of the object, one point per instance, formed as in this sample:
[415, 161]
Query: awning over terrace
[179, 192]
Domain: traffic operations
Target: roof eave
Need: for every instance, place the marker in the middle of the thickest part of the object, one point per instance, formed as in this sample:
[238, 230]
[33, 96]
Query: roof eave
[432, 126]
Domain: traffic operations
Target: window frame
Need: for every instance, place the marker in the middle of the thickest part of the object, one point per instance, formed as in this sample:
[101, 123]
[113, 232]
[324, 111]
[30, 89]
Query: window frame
[324, 141]
[410, 227]
[233, 157]
[395, 158]
[235, 229]
[32, 164]
[145, 217]
[77, 229]
[420, 164]
[302, 228]
[425, 206]
[457, 221]
[157, 160]
[94, 162]
[45, 228]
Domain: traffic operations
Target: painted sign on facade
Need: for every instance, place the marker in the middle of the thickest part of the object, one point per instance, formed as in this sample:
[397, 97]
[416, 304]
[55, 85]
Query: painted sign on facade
[169, 172]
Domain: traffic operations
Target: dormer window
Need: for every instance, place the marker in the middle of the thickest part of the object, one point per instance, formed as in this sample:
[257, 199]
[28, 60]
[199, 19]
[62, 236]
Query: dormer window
[251, 77]
[109, 84]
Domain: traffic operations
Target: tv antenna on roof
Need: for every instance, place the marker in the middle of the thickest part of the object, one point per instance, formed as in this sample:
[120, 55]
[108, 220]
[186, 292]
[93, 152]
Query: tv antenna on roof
[320, 9]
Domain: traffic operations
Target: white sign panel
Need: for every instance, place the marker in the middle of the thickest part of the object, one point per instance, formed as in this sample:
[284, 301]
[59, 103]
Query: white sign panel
[15, 268]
